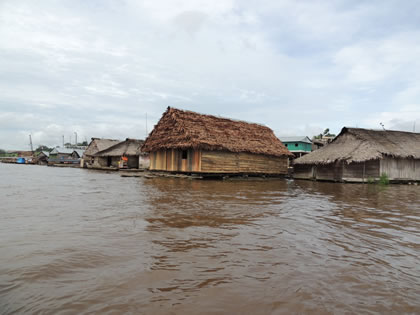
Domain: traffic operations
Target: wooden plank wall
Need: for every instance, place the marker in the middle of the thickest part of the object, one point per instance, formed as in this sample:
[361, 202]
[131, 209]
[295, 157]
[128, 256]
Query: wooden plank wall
[217, 162]
[228, 162]
[99, 161]
[333, 172]
[103, 161]
[133, 161]
[352, 172]
[171, 160]
[362, 171]
[302, 171]
[401, 169]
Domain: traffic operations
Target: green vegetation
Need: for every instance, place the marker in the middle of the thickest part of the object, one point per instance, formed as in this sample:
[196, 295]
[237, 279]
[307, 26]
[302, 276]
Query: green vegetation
[371, 180]
[383, 179]
[43, 148]
[79, 144]
[326, 133]
[4, 153]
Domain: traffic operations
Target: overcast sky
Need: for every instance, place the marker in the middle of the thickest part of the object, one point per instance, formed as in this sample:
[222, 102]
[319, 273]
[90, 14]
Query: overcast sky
[98, 67]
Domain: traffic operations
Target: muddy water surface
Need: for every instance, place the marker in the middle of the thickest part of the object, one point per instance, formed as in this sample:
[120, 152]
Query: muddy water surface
[78, 241]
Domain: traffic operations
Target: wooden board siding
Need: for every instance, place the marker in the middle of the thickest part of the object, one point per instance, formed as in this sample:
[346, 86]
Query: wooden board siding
[333, 172]
[228, 162]
[303, 171]
[98, 162]
[115, 160]
[133, 161]
[401, 169]
[172, 161]
[217, 162]
[353, 172]
[359, 172]
[103, 161]
[396, 169]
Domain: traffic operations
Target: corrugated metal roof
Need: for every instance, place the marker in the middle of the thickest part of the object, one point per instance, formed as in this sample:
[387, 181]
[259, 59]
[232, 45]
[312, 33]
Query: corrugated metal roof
[67, 151]
[79, 152]
[62, 150]
[304, 139]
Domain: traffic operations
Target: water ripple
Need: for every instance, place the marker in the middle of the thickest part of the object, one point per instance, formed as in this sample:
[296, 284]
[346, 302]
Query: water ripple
[93, 242]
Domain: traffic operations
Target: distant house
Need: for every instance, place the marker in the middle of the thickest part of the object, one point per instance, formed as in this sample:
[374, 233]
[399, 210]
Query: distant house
[96, 145]
[297, 145]
[359, 155]
[65, 155]
[42, 157]
[185, 141]
[317, 144]
[125, 154]
[321, 141]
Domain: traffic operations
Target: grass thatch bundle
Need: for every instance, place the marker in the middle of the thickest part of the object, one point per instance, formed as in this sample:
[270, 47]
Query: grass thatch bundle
[179, 129]
[129, 147]
[98, 144]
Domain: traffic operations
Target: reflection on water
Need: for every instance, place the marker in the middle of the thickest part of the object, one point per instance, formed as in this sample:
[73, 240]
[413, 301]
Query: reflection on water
[76, 241]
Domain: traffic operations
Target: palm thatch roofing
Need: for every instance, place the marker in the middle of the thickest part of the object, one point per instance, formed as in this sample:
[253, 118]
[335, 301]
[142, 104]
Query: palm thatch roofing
[129, 147]
[358, 145]
[183, 130]
[98, 144]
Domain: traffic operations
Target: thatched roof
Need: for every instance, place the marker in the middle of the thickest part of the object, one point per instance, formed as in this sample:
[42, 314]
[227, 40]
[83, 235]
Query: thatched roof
[179, 129]
[98, 144]
[358, 145]
[127, 147]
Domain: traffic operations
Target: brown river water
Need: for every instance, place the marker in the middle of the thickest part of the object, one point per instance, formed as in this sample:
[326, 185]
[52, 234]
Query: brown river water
[76, 241]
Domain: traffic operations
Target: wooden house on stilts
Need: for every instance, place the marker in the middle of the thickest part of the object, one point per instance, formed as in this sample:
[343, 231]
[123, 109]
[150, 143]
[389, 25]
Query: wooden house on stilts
[96, 145]
[125, 154]
[361, 155]
[188, 142]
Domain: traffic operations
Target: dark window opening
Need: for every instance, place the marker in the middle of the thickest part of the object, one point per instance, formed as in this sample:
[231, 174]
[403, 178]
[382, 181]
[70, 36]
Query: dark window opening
[184, 155]
[296, 144]
[286, 145]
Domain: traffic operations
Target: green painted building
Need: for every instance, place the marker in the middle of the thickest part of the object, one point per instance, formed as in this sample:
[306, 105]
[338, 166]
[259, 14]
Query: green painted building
[297, 145]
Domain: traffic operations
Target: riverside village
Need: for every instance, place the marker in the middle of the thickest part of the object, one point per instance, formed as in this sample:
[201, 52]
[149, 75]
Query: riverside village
[192, 145]
[198, 157]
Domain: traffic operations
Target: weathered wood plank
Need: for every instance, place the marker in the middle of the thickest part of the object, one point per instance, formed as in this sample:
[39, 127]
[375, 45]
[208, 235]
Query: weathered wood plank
[401, 169]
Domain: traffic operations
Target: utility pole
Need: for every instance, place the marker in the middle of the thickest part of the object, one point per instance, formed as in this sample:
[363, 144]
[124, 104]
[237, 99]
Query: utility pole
[63, 141]
[30, 142]
[75, 133]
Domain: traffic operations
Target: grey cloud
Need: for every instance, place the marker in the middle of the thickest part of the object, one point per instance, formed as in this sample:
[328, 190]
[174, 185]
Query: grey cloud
[98, 70]
[190, 21]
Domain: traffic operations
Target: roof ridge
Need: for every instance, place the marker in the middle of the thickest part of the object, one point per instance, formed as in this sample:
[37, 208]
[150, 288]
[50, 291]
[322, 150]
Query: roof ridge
[219, 117]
